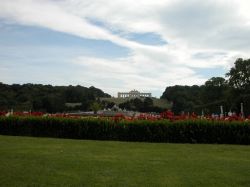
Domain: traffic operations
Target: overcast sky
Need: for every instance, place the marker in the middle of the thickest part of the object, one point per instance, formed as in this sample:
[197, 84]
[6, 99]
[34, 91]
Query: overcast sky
[120, 45]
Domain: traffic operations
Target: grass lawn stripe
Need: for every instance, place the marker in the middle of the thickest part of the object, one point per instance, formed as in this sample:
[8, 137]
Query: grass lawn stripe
[27, 161]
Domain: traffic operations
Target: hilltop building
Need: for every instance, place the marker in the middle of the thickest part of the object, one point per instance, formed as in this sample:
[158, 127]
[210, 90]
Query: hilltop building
[133, 94]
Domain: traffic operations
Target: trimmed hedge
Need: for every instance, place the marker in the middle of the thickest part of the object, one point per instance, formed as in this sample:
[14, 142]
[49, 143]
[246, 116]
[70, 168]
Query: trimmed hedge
[189, 131]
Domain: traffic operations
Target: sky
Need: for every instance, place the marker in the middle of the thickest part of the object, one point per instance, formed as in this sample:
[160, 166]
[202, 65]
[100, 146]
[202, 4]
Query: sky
[121, 45]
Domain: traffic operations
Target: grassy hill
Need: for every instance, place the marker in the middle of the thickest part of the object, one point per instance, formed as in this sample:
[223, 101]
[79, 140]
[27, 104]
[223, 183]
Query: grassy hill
[61, 162]
[162, 103]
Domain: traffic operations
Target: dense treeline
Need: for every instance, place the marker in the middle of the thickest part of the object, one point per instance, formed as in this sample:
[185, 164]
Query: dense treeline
[216, 92]
[228, 92]
[188, 131]
[141, 105]
[47, 98]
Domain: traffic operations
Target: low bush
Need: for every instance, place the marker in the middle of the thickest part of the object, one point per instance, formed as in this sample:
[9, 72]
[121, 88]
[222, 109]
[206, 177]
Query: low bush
[186, 131]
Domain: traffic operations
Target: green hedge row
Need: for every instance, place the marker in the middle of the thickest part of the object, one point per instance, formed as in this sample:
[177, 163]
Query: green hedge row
[197, 131]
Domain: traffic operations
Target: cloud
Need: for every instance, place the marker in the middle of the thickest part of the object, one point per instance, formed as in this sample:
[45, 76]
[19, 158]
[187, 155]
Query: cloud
[136, 71]
[47, 14]
[214, 25]
[195, 34]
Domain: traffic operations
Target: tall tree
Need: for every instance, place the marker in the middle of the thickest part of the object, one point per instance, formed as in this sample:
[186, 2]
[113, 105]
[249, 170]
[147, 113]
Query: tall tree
[239, 75]
[239, 80]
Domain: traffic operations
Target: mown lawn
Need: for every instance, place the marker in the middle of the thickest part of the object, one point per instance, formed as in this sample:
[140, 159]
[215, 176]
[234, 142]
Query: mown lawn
[28, 161]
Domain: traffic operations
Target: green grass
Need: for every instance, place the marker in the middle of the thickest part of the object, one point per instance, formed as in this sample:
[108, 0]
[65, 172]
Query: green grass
[28, 161]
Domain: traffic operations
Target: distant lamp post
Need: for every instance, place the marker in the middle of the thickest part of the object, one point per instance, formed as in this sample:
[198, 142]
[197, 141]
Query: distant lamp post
[241, 110]
[221, 112]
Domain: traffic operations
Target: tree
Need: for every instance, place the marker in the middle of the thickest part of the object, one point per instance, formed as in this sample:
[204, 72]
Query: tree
[239, 80]
[214, 89]
[126, 105]
[46, 97]
[95, 107]
[239, 75]
[137, 103]
[216, 82]
[184, 98]
[148, 104]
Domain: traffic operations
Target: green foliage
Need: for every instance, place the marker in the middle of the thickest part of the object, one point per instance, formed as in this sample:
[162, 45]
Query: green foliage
[95, 106]
[141, 105]
[215, 92]
[239, 75]
[47, 98]
[184, 98]
[158, 104]
[189, 131]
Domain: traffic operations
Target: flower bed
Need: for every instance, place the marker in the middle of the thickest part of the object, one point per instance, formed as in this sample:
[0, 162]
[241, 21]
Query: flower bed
[191, 130]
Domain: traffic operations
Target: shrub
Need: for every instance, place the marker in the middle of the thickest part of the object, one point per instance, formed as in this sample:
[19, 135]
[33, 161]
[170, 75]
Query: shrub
[185, 131]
